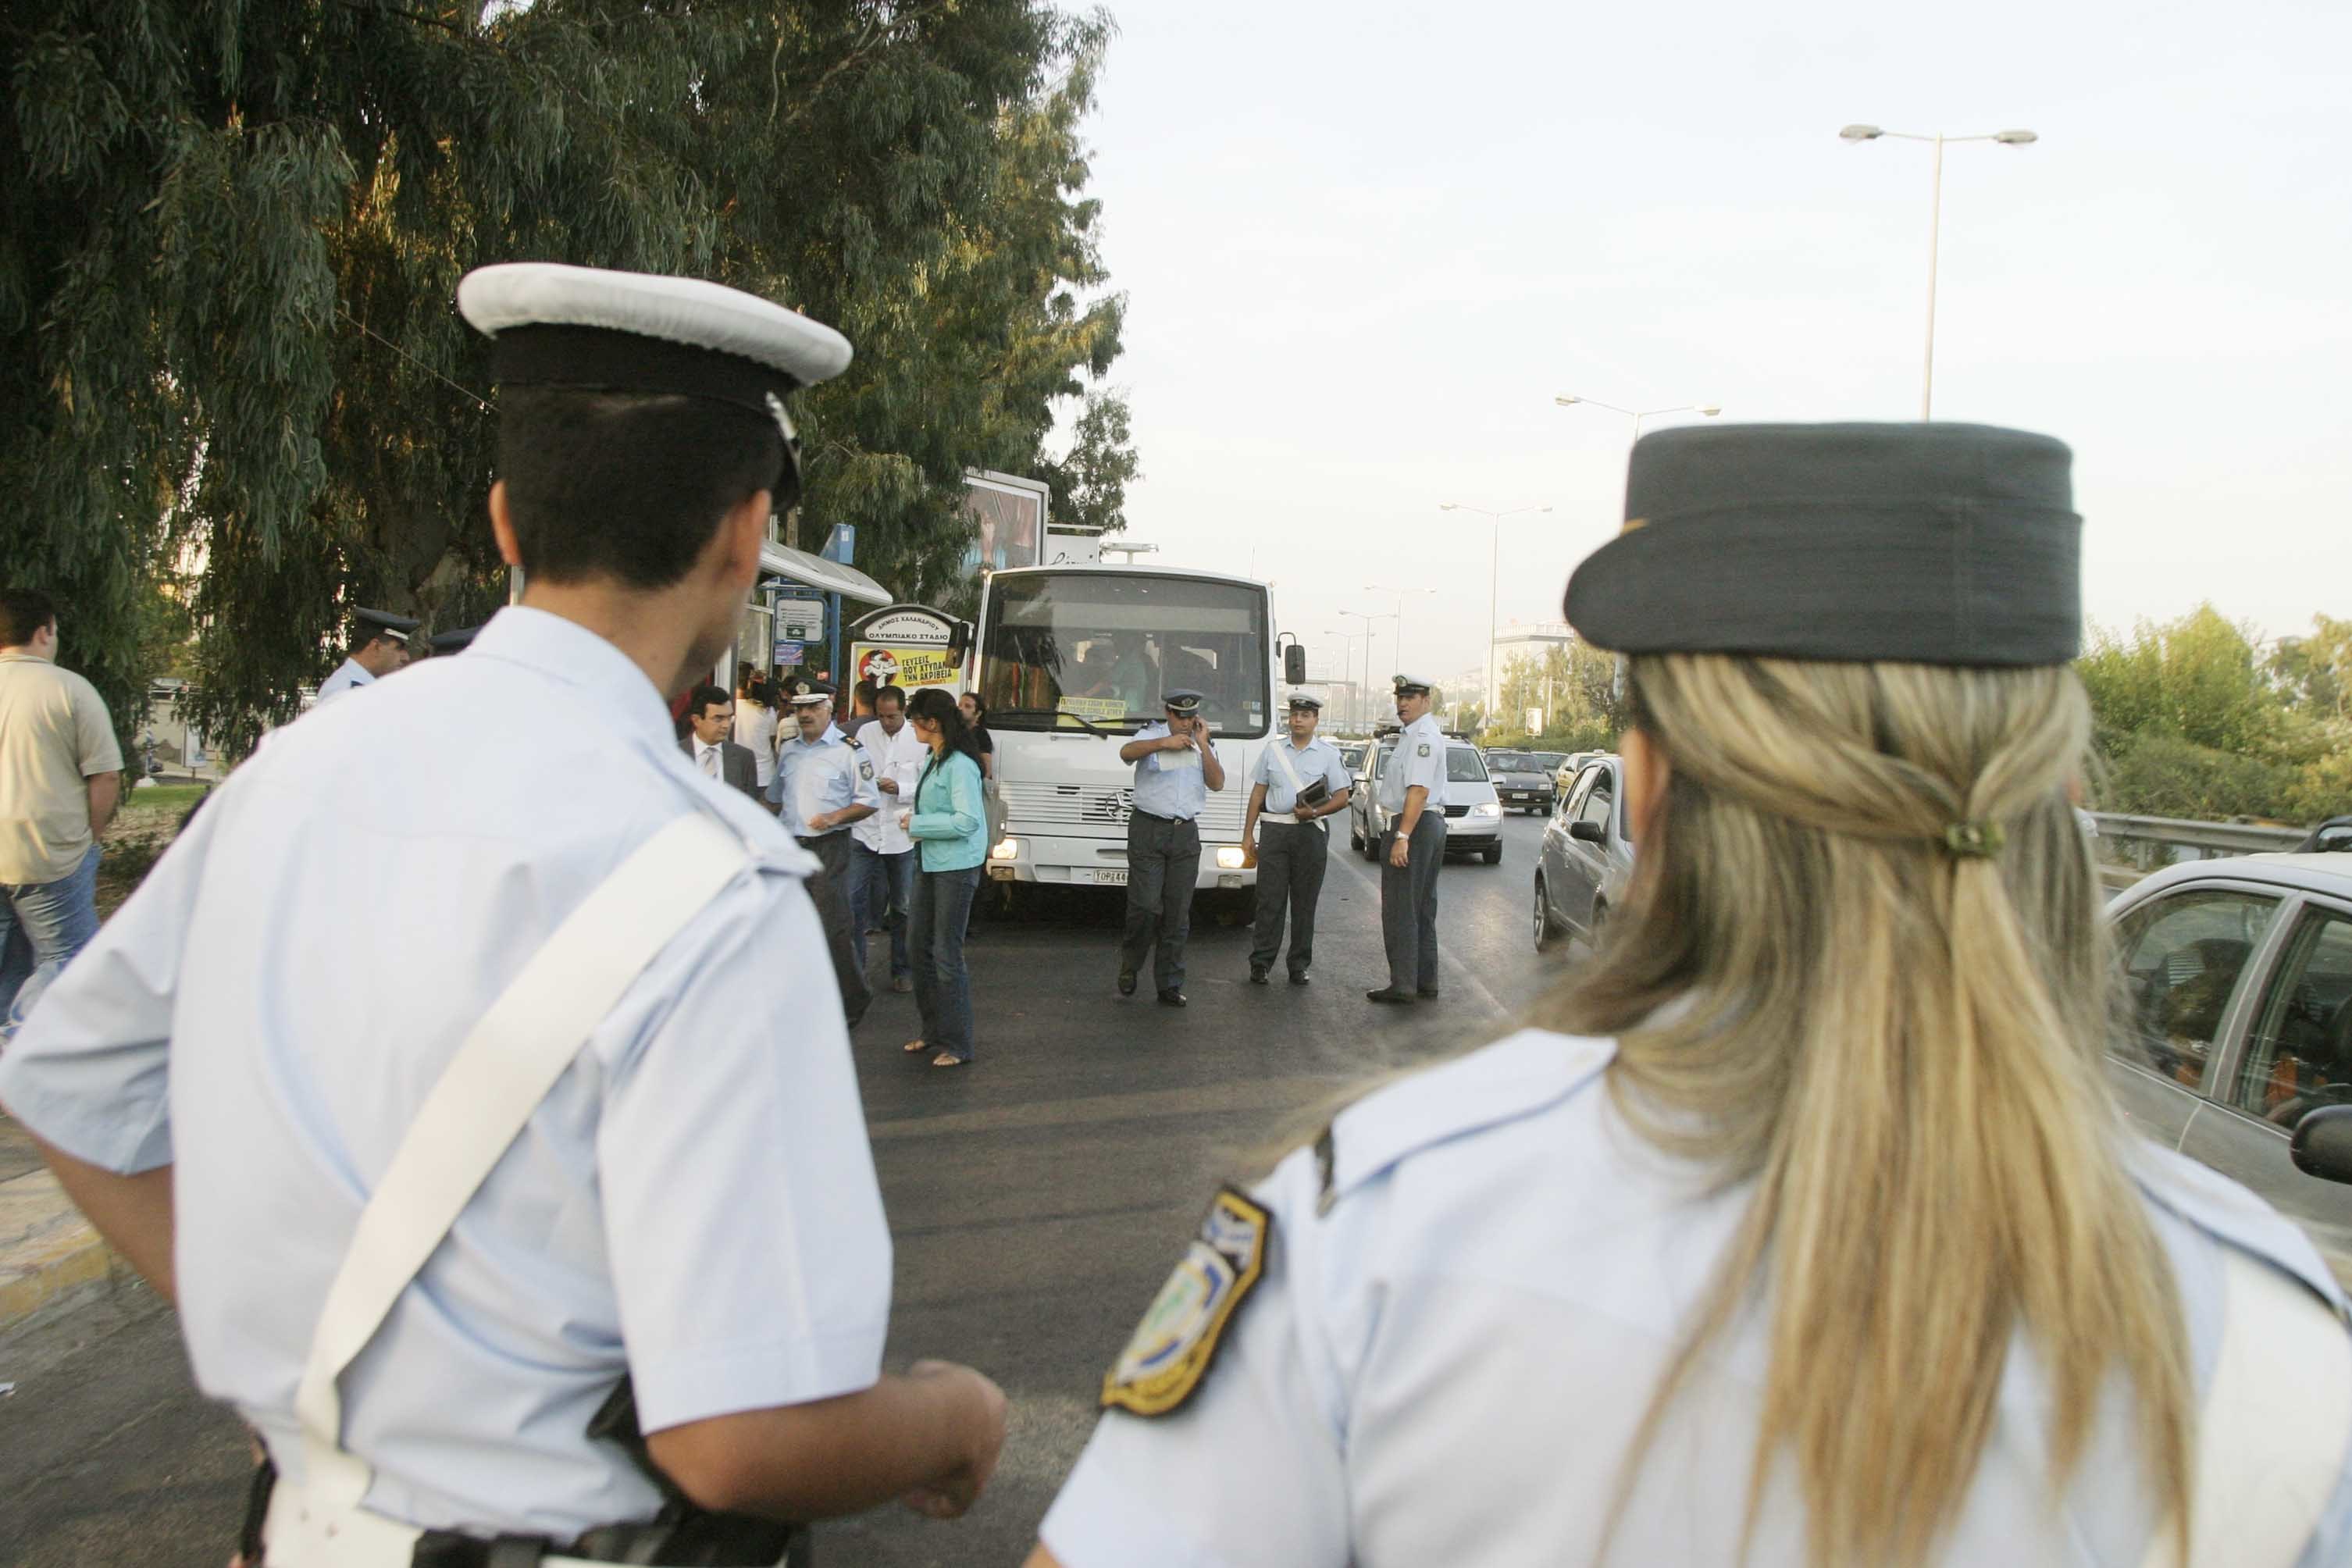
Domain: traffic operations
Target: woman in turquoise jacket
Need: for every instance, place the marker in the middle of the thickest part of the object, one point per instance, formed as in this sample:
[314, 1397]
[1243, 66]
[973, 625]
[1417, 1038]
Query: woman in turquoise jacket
[948, 822]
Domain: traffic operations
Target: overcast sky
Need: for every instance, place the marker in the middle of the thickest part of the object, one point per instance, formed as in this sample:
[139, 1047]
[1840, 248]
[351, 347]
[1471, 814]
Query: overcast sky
[1365, 244]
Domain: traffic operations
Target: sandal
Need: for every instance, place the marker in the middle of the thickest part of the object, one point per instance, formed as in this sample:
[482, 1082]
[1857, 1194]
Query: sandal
[950, 1059]
[911, 1047]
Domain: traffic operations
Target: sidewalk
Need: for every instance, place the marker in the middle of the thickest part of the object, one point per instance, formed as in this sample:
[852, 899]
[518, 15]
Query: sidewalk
[51, 1259]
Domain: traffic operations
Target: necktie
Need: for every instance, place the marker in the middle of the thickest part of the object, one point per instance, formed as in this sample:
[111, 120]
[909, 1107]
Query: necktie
[711, 761]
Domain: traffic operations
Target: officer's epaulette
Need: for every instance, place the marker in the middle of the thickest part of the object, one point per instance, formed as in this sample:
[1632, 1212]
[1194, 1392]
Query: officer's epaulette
[1517, 1075]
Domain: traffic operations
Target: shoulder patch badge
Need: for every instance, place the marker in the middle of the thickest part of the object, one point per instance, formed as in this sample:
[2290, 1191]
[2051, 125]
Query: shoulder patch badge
[1424, 748]
[1171, 1349]
[865, 769]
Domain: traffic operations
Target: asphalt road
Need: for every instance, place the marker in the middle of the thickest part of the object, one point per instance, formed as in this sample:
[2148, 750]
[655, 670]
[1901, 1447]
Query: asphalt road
[1036, 1199]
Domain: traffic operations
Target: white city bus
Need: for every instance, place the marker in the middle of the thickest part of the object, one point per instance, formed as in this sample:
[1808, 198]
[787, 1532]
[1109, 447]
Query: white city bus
[1070, 660]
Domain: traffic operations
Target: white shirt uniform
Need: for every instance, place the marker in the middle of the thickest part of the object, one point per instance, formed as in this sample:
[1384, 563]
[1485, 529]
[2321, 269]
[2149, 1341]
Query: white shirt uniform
[1420, 759]
[900, 757]
[755, 731]
[1450, 1363]
[348, 677]
[814, 778]
[694, 1204]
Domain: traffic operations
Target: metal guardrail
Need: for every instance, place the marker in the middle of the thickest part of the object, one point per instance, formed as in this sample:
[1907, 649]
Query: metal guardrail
[2131, 847]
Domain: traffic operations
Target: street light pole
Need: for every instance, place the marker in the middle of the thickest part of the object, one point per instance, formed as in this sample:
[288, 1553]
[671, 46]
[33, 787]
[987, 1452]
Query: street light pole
[1858, 133]
[1397, 652]
[1710, 410]
[1494, 696]
[1368, 618]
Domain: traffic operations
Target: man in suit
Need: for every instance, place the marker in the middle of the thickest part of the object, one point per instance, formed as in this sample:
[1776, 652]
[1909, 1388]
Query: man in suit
[711, 721]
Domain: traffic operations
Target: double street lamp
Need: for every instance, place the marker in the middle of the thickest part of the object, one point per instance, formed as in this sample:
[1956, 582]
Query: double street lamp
[1638, 415]
[1935, 219]
[1494, 576]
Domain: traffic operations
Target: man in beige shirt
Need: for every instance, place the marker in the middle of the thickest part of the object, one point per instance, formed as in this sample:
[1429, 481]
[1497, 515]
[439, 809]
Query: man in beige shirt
[60, 775]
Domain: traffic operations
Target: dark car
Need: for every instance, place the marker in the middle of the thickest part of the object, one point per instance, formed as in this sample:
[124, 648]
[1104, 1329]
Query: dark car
[1587, 857]
[2331, 836]
[1522, 783]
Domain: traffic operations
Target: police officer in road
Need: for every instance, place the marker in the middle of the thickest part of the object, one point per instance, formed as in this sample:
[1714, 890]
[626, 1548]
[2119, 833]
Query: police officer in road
[1413, 794]
[1803, 1226]
[526, 1230]
[379, 646]
[1295, 785]
[1175, 765]
[822, 784]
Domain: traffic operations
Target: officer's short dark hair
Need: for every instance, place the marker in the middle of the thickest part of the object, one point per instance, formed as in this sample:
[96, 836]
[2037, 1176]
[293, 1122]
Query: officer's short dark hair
[895, 693]
[704, 697]
[618, 485]
[23, 611]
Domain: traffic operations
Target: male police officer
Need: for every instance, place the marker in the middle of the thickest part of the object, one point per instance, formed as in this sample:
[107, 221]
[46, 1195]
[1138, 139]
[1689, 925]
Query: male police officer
[1176, 765]
[1412, 793]
[1295, 784]
[379, 646]
[822, 784]
[546, 1138]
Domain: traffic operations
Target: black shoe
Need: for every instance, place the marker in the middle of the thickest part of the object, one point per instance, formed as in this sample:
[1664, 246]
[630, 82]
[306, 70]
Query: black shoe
[1127, 982]
[1258, 974]
[1298, 977]
[1389, 994]
[1171, 999]
[1427, 993]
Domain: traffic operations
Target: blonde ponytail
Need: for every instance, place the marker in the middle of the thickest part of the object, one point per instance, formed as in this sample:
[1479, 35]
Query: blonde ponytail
[1899, 1045]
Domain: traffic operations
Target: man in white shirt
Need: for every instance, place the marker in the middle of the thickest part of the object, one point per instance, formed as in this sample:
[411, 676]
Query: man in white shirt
[755, 721]
[882, 874]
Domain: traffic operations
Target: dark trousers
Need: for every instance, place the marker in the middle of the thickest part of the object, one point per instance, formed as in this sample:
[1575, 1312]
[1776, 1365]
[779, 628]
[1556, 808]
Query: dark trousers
[1163, 861]
[942, 984]
[830, 890]
[882, 890]
[1291, 859]
[1409, 904]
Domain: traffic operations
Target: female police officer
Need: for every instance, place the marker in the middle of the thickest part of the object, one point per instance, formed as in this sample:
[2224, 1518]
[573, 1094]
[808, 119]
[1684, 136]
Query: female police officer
[1804, 1229]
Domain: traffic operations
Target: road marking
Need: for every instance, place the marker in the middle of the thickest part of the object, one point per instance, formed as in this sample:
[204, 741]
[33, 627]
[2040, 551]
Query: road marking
[1461, 972]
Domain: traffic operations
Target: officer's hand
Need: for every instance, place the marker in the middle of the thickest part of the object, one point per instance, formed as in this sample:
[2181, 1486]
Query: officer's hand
[980, 1405]
[1179, 741]
[887, 786]
[1304, 813]
[819, 823]
[1398, 852]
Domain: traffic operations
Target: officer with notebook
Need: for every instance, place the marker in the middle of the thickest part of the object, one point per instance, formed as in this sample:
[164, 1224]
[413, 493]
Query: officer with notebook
[1295, 783]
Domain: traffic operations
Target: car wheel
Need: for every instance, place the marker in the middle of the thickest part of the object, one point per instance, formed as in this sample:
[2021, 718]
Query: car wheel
[1546, 929]
[1495, 853]
[1597, 931]
[1371, 845]
[1355, 835]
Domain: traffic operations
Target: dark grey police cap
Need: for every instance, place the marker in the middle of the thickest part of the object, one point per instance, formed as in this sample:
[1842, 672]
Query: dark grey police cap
[1952, 544]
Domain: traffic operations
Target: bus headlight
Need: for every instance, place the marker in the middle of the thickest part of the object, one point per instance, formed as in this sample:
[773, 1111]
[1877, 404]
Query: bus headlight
[1231, 857]
[1487, 810]
[1005, 849]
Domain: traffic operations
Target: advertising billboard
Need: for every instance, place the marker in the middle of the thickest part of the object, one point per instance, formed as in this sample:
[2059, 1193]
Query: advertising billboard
[1010, 513]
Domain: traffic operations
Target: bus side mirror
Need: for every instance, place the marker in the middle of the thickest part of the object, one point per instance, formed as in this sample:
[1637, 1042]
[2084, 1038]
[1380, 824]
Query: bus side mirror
[1294, 664]
[2321, 1145]
[959, 642]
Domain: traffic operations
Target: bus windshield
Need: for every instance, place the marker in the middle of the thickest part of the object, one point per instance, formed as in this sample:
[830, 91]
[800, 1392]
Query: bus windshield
[1086, 649]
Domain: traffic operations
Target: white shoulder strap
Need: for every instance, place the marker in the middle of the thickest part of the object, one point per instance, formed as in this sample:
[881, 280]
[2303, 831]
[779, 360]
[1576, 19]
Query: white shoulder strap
[500, 1075]
[2276, 1428]
[1281, 749]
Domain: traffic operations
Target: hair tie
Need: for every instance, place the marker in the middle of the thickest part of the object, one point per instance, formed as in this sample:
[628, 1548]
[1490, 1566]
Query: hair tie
[1974, 840]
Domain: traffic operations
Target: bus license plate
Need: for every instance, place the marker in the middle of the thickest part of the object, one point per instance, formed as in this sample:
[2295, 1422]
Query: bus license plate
[1111, 879]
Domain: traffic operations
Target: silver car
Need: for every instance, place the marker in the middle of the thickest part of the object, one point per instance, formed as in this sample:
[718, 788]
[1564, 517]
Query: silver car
[1586, 856]
[2240, 1027]
[1474, 815]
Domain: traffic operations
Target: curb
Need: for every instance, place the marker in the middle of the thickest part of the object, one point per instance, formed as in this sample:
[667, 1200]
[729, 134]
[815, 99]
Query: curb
[51, 1259]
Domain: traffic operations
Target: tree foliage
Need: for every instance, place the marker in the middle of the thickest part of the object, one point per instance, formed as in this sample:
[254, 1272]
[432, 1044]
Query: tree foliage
[233, 228]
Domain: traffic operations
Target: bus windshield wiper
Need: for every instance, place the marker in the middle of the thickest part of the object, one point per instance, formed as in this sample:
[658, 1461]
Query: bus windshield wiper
[1054, 713]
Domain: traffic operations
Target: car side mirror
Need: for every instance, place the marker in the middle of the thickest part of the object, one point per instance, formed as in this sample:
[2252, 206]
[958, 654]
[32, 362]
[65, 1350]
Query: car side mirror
[1589, 832]
[1294, 664]
[2322, 1145]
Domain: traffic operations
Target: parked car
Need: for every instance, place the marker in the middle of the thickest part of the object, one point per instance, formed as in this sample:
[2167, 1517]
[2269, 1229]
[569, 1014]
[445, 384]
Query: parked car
[1473, 816]
[1586, 856]
[2240, 1026]
[1521, 781]
[1351, 757]
[1563, 777]
[2331, 836]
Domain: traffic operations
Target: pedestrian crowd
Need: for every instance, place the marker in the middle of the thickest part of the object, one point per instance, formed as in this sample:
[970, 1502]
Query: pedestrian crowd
[1798, 1227]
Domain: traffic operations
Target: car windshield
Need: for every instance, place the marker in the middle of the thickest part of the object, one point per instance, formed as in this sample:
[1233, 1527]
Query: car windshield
[1549, 760]
[1465, 765]
[1074, 649]
[1511, 762]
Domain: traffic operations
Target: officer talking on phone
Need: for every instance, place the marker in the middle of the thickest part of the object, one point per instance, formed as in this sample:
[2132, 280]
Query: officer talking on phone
[1175, 766]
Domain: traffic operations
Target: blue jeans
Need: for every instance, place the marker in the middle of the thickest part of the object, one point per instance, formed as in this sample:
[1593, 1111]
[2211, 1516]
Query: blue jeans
[942, 984]
[42, 924]
[888, 879]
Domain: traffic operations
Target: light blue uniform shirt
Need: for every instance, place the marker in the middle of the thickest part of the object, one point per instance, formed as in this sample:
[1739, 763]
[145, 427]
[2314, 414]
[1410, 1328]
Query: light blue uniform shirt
[1447, 1360]
[694, 1204]
[816, 777]
[1420, 759]
[1168, 784]
[1319, 760]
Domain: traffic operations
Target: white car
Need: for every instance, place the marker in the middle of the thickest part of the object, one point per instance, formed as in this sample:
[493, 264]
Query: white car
[1474, 813]
[2237, 1048]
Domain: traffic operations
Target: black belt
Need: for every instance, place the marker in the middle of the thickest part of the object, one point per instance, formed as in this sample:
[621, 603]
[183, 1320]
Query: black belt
[1171, 821]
